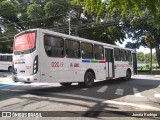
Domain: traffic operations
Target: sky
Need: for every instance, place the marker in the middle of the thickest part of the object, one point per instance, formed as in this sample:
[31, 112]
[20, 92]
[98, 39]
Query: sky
[141, 49]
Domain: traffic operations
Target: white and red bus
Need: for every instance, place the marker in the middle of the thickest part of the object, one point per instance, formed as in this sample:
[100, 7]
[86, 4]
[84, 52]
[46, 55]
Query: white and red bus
[42, 55]
[6, 61]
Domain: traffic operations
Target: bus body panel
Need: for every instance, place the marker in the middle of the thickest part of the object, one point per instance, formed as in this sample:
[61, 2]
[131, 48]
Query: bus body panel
[121, 68]
[63, 69]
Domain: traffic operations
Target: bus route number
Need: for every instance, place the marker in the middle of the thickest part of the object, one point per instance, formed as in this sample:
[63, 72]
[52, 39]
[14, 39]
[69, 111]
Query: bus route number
[57, 64]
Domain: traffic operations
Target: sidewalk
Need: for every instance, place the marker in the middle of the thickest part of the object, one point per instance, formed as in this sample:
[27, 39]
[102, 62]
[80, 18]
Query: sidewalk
[5, 80]
[3, 74]
[146, 76]
[157, 76]
[4, 77]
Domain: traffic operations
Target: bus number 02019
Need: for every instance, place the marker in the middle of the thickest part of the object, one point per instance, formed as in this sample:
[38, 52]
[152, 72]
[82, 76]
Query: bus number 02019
[57, 64]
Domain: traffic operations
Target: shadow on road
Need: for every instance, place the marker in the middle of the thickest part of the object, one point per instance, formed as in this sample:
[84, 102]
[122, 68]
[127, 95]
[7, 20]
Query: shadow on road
[99, 109]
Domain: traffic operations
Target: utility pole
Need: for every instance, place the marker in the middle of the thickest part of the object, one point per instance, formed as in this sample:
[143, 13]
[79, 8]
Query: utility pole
[69, 22]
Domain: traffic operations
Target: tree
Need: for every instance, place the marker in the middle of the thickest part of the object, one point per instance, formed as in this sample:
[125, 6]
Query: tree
[136, 16]
[148, 41]
[123, 6]
[53, 14]
[140, 57]
[139, 27]
[20, 15]
[133, 45]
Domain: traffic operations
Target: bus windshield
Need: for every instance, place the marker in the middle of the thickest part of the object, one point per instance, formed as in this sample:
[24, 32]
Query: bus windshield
[25, 42]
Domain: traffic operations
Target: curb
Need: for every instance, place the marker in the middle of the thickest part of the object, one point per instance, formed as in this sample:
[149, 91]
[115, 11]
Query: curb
[5, 79]
[157, 76]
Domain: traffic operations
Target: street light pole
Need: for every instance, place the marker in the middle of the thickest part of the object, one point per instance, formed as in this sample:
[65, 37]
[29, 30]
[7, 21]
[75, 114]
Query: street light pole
[69, 25]
[144, 58]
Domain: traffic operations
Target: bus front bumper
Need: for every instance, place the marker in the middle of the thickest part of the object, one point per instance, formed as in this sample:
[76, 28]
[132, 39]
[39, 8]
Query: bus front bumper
[28, 79]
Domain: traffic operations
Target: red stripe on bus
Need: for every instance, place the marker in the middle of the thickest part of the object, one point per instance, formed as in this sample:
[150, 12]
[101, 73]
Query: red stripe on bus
[102, 61]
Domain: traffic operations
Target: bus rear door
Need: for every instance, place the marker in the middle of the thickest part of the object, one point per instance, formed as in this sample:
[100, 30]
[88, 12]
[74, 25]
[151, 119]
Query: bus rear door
[109, 63]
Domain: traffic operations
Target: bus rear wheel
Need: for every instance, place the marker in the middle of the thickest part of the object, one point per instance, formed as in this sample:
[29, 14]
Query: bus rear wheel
[66, 84]
[88, 79]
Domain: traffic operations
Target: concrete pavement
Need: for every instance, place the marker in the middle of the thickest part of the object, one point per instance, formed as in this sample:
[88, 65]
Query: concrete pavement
[5, 77]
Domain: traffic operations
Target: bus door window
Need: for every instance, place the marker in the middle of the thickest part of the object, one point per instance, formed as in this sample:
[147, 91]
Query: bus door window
[109, 62]
[106, 56]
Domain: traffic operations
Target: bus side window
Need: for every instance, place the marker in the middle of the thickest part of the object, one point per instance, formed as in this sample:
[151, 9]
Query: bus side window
[78, 52]
[72, 48]
[123, 55]
[49, 52]
[87, 50]
[54, 46]
[117, 54]
[98, 52]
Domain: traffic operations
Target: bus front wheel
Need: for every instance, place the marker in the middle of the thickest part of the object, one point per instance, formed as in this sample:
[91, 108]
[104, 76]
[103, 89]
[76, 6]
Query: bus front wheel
[88, 79]
[10, 69]
[66, 84]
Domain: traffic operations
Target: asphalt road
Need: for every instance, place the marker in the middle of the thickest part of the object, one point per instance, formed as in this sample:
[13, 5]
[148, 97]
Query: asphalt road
[116, 99]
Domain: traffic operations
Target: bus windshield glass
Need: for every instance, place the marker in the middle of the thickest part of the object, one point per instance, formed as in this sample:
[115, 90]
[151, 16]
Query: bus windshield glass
[25, 42]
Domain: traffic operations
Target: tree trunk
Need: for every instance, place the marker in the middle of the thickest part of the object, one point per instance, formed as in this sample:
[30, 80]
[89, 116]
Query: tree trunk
[157, 47]
[151, 60]
[158, 54]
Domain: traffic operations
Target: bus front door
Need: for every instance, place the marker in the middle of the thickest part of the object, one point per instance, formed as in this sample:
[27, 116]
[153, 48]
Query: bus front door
[109, 63]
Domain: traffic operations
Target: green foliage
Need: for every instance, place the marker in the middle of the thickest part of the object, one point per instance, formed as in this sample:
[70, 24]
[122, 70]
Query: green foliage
[52, 8]
[131, 17]
[121, 6]
[8, 10]
[34, 11]
[140, 57]
[148, 41]
[102, 34]
[145, 58]
[25, 14]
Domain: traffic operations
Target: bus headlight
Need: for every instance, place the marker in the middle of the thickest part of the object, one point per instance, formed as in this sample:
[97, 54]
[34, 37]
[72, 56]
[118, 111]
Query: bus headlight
[35, 65]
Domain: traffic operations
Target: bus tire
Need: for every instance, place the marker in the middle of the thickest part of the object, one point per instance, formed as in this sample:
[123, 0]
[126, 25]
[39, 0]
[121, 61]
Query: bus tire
[9, 69]
[88, 79]
[128, 75]
[66, 84]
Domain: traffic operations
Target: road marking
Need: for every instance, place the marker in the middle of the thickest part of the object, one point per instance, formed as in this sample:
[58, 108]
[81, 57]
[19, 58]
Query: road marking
[84, 89]
[119, 92]
[157, 95]
[7, 84]
[136, 93]
[18, 90]
[102, 89]
[4, 85]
